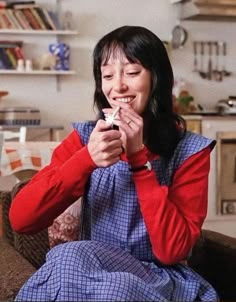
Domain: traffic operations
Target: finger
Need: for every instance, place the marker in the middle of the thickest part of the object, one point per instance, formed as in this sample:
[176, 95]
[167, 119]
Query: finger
[110, 135]
[101, 125]
[105, 131]
[128, 124]
[124, 107]
[129, 115]
[110, 110]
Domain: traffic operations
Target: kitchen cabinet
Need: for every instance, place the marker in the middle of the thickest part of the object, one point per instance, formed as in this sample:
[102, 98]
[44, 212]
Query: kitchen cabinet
[219, 128]
[206, 10]
[194, 124]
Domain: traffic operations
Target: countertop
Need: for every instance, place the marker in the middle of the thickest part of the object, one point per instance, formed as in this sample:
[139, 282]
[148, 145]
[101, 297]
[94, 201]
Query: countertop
[209, 116]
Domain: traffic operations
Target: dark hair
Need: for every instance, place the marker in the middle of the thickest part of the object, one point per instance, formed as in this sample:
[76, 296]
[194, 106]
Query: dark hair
[162, 127]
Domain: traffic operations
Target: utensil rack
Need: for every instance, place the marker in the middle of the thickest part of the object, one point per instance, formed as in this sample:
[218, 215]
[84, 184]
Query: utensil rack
[210, 60]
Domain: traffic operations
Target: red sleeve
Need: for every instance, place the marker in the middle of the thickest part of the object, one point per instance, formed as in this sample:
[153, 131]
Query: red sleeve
[174, 215]
[54, 188]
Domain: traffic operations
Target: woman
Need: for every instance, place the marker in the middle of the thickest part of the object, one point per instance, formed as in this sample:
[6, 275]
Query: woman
[144, 184]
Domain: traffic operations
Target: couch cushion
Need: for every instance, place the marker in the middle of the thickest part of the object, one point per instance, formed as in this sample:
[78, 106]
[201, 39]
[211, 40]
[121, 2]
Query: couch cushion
[66, 227]
[214, 257]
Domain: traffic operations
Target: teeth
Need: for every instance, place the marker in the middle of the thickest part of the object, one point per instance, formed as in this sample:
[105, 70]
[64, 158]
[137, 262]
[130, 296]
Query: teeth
[124, 100]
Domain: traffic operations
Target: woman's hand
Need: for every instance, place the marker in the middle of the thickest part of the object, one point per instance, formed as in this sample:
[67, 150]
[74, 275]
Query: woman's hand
[130, 126]
[105, 145]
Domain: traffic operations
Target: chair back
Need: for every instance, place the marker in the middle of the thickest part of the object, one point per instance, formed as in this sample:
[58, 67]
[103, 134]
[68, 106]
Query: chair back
[15, 135]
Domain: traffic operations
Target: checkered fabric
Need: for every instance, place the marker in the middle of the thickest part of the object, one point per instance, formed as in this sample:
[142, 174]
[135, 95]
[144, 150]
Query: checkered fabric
[117, 263]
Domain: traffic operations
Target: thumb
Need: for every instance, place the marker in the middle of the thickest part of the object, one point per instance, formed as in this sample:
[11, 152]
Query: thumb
[102, 125]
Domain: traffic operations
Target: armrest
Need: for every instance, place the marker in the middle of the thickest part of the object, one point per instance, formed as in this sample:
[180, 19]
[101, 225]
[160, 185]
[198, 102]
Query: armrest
[32, 247]
[214, 257]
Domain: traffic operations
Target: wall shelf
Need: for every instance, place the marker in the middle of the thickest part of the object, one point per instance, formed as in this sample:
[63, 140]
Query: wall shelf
[38, 72]
[38, 32]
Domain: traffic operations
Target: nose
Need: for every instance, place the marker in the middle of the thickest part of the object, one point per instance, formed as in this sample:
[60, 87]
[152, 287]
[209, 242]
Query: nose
[119, 84]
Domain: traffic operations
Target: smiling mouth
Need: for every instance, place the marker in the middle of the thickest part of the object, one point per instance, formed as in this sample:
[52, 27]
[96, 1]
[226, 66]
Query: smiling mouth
[124, 99]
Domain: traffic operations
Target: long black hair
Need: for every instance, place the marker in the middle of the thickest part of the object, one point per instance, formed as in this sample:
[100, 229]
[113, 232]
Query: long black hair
[162, 127]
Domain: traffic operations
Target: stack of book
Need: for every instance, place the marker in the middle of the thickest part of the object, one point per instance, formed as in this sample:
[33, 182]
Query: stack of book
[10, 53]
[27, 15]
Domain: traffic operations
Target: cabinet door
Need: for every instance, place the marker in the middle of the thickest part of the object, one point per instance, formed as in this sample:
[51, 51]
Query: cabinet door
[194, 126]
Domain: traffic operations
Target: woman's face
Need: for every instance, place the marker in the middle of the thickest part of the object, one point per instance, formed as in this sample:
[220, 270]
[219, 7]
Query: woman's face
[127, 82]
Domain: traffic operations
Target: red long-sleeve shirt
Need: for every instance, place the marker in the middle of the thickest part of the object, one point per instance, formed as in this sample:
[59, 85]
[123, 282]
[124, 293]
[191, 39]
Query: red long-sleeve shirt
[173, 215]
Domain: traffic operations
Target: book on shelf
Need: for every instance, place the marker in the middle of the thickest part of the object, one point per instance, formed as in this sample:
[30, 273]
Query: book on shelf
[45, 18]
[22, 19]
[22, 6]
[33, 22]
[55, 19]
[2, 22]
[19, 53]
[13, 4]
[12, 17]
[1, 63]
[5, 59]
[6, 20]
[12, 57]
[49, 19]
[38, 18]
[10, 53]
[35, 17]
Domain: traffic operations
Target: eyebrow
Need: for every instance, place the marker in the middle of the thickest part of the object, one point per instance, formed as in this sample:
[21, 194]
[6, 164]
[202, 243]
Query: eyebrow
[128, 63]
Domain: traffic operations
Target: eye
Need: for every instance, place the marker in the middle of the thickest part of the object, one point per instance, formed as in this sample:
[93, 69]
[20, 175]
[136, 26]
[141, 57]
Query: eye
[107, 76]
[133, 73]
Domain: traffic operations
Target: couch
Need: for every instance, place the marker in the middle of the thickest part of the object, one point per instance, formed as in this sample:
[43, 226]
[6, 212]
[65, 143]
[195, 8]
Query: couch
[213, 256]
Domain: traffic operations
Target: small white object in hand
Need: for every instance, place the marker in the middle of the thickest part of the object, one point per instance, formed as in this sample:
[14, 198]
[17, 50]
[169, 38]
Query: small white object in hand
[111, 117]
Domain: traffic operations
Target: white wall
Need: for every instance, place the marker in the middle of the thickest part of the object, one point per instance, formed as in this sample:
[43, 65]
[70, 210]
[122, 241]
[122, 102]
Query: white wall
[73, 100]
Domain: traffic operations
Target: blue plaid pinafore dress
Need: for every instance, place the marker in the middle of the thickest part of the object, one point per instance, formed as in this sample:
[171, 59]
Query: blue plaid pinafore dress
[116, 262]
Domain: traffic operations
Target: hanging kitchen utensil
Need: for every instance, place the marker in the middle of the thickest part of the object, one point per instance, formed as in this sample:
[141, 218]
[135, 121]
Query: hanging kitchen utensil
[226, 73]
[209, 68]
[216, 74]
[201, 71]
[195, 60]
[179, 36]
